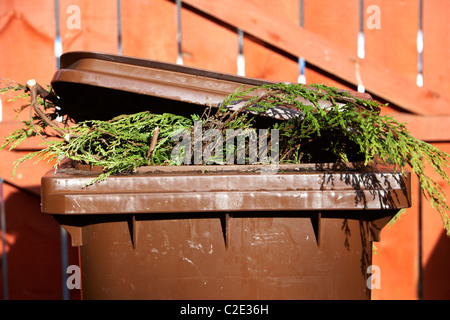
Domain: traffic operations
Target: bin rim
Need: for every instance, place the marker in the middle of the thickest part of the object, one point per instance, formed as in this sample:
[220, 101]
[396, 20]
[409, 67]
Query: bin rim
[177, 190]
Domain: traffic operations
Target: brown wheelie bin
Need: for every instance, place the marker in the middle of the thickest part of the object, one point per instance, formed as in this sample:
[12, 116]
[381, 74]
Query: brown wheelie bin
[214, 232]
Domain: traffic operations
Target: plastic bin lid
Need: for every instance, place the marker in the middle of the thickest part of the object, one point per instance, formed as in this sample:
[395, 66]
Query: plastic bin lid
[100, 86]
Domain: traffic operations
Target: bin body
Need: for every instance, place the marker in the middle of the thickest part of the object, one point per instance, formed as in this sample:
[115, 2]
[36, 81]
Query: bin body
[181, 233]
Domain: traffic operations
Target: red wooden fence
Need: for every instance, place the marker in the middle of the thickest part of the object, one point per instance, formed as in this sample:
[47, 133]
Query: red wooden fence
[412, 264]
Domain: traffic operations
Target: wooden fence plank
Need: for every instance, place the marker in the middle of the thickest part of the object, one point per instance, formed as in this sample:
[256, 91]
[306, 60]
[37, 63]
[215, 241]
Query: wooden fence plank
[326, 54]
[391, 41]
[34, 254]
[435, 246]
[435, 70]
[426, 128]
[27, 31]
[264, 62]
[322, 17]
[393, 45]
[436, 52]
[149, 29]
[34, 267]
[27, 35]
[207, 44]
[97, 27]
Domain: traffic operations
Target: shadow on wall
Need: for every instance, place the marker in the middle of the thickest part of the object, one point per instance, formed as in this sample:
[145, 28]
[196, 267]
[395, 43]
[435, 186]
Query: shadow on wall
[33, 251]
[436, 276]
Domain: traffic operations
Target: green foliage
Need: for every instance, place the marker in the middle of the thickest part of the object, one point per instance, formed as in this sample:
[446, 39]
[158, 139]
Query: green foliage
[351, 132]
[347, 129]
[121, 144]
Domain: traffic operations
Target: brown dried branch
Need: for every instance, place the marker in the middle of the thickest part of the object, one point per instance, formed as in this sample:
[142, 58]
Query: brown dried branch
[33, 87]
[44, 94]
[153, 144]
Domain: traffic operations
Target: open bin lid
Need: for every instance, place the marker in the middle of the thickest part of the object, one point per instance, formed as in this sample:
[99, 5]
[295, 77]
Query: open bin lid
[100, 86]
